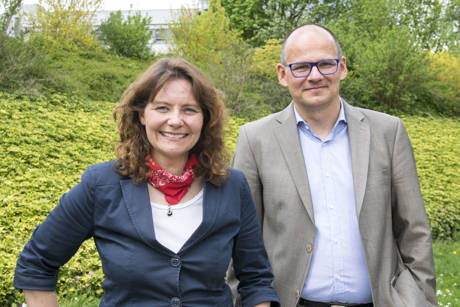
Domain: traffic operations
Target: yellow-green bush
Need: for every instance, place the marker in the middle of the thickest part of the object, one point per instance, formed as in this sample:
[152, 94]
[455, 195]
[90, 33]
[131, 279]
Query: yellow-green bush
[436, 143]
[447, 68]
[45, 145]
[265, 58]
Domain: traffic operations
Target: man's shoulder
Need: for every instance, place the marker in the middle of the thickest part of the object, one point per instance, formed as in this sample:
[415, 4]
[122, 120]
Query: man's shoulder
[374, 117]
[264, 123]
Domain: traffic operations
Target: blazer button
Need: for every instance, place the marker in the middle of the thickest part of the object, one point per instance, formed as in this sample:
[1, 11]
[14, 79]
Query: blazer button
[309, 248]
[175, 262]
[175, 302]
[297, 294]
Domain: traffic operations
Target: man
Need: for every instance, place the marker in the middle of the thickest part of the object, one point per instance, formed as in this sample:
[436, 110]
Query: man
[336, 189]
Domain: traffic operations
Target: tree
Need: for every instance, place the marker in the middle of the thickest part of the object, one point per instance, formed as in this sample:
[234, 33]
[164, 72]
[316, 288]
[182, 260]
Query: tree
[128, 37]
[66, 23]
[246, 16]
[22, 67]
[10, 8]
[432, 23]
[451, 22]
[207, 40]
[260, 20]
[389, 70]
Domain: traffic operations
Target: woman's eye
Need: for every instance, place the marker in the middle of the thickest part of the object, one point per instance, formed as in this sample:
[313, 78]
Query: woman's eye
[191, 110]
[161, 108]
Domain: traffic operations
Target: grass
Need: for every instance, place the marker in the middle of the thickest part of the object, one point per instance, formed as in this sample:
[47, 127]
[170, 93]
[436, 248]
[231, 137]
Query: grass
[447, 264]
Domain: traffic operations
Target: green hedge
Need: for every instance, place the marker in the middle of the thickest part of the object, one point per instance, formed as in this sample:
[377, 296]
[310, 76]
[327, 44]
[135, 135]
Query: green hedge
[46, 144]
[436, 143]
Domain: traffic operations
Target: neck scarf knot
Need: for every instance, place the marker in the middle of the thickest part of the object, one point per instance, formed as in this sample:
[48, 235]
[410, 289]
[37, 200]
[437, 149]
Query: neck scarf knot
[172, 186]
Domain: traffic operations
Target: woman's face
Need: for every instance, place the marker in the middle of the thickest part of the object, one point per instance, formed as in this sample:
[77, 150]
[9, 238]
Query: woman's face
[173, 122]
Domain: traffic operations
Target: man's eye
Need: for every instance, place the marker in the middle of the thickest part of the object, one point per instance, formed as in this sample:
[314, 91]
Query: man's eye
[303, 67]
[327, 64]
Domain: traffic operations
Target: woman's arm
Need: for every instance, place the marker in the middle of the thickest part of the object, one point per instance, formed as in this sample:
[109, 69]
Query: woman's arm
[37, 298]
[250, 260]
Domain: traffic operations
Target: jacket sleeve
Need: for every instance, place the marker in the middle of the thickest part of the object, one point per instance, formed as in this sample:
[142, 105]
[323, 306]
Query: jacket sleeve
[410, 222]
[244, 160]
[57, 239]
[250, 260]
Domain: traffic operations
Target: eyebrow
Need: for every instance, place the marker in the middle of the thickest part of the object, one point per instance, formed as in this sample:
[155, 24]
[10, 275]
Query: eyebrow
[168, 103]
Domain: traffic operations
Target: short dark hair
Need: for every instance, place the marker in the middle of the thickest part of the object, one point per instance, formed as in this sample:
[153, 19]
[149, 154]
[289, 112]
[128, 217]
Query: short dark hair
[134, 146]
[283, 55]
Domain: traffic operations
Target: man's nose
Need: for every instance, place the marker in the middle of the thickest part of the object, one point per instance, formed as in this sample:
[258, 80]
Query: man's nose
[314, 73]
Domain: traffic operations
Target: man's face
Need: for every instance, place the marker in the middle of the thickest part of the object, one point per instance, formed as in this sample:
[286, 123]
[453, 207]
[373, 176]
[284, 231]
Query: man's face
[316, 91]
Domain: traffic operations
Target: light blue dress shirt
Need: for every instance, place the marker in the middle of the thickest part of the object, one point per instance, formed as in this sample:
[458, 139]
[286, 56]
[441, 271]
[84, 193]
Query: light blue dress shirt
[338, 269]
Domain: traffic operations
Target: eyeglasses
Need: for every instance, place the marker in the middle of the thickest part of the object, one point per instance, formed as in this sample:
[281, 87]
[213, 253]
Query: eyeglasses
[303, 69]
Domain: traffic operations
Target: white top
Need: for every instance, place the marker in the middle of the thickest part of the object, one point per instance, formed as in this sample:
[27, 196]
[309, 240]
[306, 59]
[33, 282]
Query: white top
[174, 230]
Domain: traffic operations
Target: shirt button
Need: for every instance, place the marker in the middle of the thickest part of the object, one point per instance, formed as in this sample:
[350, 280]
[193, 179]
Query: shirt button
[175, 302]
[175, 262]
[309, 248]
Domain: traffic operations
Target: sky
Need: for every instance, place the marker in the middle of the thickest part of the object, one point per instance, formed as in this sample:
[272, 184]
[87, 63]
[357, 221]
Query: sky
[139, 4]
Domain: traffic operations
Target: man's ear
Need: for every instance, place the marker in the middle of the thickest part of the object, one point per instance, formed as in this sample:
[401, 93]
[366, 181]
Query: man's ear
[281, 70]
[343, 68]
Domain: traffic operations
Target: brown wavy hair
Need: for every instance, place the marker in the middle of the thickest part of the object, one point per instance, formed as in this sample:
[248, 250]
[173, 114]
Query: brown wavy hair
[134, 146]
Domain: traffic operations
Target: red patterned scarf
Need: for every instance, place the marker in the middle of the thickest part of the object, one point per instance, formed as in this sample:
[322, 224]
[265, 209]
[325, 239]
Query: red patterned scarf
[173, 187]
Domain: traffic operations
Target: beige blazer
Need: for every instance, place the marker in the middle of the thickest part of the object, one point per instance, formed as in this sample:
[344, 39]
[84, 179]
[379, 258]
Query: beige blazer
[394, 228]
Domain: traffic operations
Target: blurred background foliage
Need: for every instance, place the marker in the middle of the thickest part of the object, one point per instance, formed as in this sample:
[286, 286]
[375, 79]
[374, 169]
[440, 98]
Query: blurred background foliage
[402, 56]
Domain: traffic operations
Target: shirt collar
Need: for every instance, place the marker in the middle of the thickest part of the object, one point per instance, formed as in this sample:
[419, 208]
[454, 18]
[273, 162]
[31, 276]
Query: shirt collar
[340, 119]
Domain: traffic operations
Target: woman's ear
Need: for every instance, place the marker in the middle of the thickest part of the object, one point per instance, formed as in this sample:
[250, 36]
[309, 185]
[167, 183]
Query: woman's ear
[141, 118]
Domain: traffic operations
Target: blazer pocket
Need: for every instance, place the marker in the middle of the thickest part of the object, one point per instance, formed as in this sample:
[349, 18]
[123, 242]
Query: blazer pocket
[408, 290]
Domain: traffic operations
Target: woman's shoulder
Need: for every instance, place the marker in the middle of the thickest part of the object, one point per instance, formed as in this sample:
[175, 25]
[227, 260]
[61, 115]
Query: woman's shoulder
[103, 173]
[234, 177]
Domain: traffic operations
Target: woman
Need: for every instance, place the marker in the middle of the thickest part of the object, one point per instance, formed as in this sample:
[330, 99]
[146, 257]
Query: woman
[167, 216]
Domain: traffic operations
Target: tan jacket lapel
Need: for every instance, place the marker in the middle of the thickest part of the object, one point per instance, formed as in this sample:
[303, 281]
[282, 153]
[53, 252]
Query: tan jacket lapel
[287, 135]
[359, 136]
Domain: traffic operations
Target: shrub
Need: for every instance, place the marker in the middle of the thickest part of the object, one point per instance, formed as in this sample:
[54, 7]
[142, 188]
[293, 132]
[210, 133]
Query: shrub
[128, 37]
[46, 144]
[436, 145]
[92, 74]
[65, 24]
[263, 64]
[45, 147]
[447, 88]
[384, 75]
[207, 41]
[22, 68]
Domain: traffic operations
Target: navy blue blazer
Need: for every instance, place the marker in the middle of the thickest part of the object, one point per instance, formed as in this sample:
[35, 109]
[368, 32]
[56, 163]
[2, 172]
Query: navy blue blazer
[139, 271]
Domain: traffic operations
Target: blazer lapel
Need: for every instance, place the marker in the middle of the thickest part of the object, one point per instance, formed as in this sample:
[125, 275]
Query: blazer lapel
[211, 203]
[359, 136]
[287, 136]
[137, 201]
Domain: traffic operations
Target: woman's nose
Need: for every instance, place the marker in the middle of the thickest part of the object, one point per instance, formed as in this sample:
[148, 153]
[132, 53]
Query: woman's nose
[175, 119]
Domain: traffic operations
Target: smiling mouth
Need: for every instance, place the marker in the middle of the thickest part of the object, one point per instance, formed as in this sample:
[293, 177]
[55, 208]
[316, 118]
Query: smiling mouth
[315, 88]
[174, 135]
